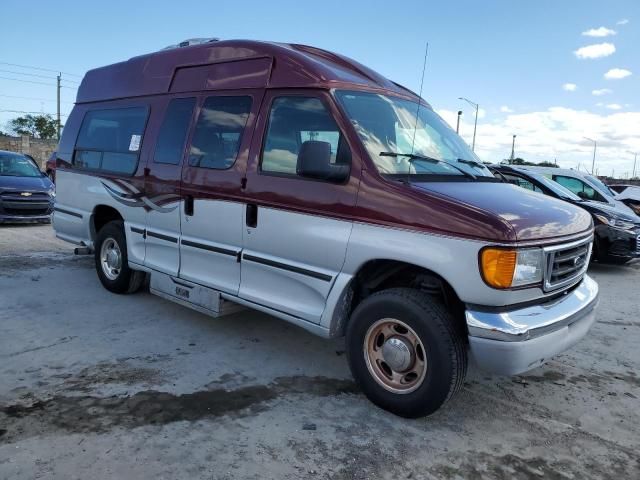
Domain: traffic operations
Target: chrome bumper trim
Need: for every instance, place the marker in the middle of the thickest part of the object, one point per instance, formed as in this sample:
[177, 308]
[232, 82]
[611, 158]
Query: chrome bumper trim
[531, 322]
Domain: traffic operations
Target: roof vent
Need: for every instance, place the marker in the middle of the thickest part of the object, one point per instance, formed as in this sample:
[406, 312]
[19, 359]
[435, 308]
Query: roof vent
[192, 41]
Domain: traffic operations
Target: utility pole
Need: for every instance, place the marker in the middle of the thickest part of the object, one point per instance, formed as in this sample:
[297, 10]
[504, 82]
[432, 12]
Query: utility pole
[475, 125]
[593, 162]
[58, 96]
[458, 124]
[635, 159]
[513, 148]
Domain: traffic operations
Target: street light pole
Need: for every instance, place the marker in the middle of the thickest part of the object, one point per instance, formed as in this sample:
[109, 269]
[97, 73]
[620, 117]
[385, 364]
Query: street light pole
[458, 124]
[593, 162]
[635, 158]
[513, 148]
[475, 125]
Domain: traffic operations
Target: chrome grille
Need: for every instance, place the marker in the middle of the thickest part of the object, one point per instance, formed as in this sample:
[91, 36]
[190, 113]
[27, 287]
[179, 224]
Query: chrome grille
[566, 264]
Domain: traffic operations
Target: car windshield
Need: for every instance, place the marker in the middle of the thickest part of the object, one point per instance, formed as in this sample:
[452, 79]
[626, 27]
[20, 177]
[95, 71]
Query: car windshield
[601, 186]
[16, 165]
[396, 140]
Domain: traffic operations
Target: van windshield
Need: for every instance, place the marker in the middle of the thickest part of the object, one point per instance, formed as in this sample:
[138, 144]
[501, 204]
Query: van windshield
[396, 142]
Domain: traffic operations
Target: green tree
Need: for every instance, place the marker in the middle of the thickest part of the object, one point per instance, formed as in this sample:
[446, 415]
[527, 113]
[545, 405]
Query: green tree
[547, 164]
[39, 126]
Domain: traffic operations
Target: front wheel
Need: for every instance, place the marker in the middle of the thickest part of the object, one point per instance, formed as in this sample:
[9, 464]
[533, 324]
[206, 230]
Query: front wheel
[405, 352]
[111, 260]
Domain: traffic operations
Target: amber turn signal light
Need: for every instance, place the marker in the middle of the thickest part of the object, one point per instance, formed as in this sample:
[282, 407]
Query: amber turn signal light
[497, 266]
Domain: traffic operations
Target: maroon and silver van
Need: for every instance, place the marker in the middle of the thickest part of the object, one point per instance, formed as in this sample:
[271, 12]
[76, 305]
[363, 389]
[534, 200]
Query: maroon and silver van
[297, 182]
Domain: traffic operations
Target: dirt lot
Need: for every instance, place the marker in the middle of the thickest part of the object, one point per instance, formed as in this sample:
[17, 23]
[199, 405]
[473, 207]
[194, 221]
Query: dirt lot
[94, 385]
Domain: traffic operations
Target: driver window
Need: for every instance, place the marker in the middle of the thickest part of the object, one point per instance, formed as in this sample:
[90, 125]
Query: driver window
[293, 121]
[578, 187]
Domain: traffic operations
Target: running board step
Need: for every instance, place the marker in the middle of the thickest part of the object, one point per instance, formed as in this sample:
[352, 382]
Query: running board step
[202, 299]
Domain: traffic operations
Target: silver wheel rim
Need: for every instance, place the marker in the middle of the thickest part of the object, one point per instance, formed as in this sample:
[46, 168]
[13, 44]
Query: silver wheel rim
[110, 258]
[395, 356]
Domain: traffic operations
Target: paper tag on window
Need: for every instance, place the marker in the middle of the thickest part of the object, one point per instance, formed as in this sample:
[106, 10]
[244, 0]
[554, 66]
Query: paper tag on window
[134, 144]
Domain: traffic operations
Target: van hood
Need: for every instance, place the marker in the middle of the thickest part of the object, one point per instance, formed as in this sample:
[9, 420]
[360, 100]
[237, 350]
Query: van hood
[533, 216]
[28, 184]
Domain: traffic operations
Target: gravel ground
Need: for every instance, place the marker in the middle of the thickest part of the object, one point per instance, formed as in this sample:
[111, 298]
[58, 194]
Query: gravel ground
[94, 385]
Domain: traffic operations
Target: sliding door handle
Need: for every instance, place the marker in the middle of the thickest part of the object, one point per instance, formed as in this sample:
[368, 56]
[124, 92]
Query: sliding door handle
[188, 205]
[252, 215]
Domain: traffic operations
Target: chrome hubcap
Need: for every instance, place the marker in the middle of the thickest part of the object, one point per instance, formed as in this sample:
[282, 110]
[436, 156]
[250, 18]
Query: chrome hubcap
[110, 258]
[395, 356]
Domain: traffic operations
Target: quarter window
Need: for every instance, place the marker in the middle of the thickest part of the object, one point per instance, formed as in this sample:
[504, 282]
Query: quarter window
[218, 133]
[110, 140]
[293, 121]
[173, 132]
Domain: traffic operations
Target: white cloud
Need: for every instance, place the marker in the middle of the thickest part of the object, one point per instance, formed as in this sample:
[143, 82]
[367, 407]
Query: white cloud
[505, 109]
[624, 21]
[617, 74]
[601, 91]
[597, 50]
[569, 87]
[557, 133]
[614, 106]
[599, 32]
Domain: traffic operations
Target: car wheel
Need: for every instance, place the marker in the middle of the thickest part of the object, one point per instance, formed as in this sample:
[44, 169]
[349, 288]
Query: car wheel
[404, 351]
[111, 260]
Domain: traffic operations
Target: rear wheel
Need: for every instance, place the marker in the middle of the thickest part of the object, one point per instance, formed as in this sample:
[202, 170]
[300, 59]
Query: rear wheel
[404, 351]
[111, 260]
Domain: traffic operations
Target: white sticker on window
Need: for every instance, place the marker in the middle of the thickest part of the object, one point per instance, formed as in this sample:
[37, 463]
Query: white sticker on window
[134, 144]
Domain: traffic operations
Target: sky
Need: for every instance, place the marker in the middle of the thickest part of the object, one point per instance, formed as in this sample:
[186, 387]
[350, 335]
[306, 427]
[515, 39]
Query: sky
[550, 72]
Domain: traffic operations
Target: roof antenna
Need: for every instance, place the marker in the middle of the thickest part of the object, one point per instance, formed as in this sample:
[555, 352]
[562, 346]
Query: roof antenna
[415, 127]
[424, 67]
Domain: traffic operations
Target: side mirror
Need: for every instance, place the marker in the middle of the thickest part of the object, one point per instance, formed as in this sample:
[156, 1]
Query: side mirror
[314, 161]
[583, 195]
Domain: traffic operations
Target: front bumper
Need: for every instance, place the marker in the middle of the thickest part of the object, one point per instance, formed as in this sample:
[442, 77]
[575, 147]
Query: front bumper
[512, 342]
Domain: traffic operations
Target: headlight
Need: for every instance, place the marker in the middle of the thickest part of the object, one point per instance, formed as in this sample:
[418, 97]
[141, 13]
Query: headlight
[615, 222]
[506, 268]
[52, 194]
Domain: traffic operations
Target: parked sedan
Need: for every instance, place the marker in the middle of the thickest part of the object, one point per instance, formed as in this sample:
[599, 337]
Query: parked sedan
[629, 194]
[617, 234]
[50, 166]
[26, 194]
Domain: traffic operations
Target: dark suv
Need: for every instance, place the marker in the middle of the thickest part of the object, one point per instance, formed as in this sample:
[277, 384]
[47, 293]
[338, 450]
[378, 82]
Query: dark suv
[26, 194]
[617, 235]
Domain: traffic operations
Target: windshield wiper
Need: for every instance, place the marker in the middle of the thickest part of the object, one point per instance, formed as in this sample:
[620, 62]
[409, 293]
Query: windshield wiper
[412, 157]
[470, 162]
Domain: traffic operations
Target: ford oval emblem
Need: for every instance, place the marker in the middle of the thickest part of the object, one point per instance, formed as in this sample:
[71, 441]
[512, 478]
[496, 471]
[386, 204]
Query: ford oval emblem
[26, 194]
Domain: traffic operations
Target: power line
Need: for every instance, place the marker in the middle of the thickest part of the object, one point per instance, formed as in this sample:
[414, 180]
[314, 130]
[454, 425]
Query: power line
[33, 98]
[34, 113]
[40, 68]
[28, 74]
[28, 81]
[38, 83]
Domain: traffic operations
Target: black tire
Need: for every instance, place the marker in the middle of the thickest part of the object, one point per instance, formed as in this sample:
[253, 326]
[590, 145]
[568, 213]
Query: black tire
[444, 348]
[127, 279]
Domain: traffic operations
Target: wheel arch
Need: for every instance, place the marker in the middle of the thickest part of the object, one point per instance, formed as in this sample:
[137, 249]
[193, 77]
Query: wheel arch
[379, 274]
[101, 215]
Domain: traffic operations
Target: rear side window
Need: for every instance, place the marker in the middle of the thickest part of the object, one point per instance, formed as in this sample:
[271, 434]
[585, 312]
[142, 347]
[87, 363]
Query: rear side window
[110, 140]
[293, 121]
[173, 132]
[218, 133]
